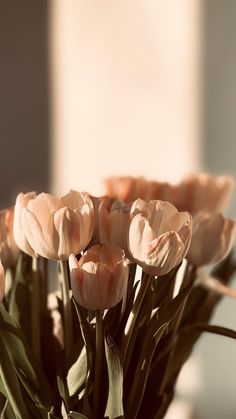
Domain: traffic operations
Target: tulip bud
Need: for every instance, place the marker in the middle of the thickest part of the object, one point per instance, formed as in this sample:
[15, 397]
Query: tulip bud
[212, 239]
[2, 282]
[8, 247]
[99, 279]
[53, 227]
[113, 219]
[159, 236]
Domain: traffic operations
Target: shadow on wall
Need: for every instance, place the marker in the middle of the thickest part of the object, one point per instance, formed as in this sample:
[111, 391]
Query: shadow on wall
[24, 104]
[219, 87]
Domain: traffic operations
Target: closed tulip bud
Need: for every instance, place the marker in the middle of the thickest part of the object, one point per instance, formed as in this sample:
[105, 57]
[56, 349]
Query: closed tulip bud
[113, 219]
[159, 236]
[212, 239]
[8, 247]
[53, 227]
[2, 282]
[99, 279]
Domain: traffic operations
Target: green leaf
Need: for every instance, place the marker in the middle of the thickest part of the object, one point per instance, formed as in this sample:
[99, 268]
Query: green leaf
[75, 415]
[11, 383]
[114, 406]
[142, 372]
[77, 374]
[20, 298]
[23, 359]
[218, 330]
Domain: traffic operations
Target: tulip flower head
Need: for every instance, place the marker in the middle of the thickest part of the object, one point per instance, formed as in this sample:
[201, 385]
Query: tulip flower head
[2, 282]
[159, 236]
[212, 239]
[8, 247]
[53, 227]
[203, 192]
[99, 279]
[113, 224]
[125, 188]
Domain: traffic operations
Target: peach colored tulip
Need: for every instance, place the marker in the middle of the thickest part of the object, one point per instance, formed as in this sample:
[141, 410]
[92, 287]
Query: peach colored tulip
[159, 236]
[125, 188]
[99, 279]
[113, 220]
[203, 192]
[53, 227]
[2, 282]
[8, 247]
[212, 239]
[97, 201]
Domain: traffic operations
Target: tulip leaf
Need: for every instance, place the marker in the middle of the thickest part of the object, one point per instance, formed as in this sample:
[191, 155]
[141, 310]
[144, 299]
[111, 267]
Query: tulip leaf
[77, 374]
[11, 383]
[142, 372]
[114, 406]
[23, 359]
[75, 415]
[20, 298]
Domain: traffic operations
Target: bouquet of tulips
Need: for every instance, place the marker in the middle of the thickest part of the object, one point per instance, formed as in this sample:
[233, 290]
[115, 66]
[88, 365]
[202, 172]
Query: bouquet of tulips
[103, 299]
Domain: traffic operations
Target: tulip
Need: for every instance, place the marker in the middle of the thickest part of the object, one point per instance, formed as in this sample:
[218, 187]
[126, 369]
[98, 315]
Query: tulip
[113, 220]
[99, 279]
[125, 188]
[97, 201]
[8, 247]
[2, 282]
[203, 192]
[159, 236]
[212, 239]
[53, 227]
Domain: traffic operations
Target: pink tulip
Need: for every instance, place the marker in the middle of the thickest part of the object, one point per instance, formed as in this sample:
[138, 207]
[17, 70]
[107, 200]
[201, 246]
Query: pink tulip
[53, 227]
[2, 282]
[212, 239]
[203, 192]
[125, 188]
[8, 247]
[159, 236]
[99, 279]
[113, 220]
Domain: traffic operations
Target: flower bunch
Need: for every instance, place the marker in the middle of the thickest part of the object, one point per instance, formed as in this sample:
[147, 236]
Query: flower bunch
[84, 333]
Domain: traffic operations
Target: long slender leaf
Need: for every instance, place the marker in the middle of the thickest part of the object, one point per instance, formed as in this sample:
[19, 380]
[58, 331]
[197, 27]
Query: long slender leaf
[23, 359]
[114, 406]
[77, 374]
[11, 383]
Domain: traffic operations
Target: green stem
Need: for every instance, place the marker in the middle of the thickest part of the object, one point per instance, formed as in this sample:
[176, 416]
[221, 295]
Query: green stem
[126, 341]
[35, 308]
[67, 308]
[98, 363]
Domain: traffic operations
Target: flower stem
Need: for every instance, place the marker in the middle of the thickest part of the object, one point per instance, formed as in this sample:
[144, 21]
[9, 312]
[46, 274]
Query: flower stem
[35, 325]
[126, 344]
[98, 362]
[68, 326]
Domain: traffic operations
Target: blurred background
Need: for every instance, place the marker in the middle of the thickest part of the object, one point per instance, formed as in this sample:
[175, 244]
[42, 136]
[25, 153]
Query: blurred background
[92, 88]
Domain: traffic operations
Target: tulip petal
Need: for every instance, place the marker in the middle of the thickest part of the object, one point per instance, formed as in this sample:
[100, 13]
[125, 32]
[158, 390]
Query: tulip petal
[34, 235]
[19, 235]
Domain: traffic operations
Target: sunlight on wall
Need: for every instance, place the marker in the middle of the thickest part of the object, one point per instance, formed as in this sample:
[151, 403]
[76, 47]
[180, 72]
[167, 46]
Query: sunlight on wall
[125, 88]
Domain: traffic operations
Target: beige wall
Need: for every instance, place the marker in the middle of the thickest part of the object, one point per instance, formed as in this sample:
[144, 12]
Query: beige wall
[125, 90]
